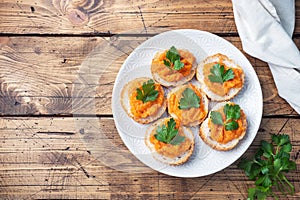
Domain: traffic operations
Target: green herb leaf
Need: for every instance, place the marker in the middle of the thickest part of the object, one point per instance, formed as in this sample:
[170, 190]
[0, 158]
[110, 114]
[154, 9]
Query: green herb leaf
[258, 154]
[228, 75]
[216, 118]
[277, 165]
[173, 54]
[292, 165]
[219, 74]
[286, 148]
[177, 140]
[261, 193]
[267, 148]
[251, 168]
[167, 63]
[285, 164]
[173, 59]
[178, 65]
[265, 169]
[272, 164]
[232, 125]
[189, 100]
[232, 113]
[251, 193]
[280, 139]
[267, 182]
[282, 154]
[169, 134]
[148, 92]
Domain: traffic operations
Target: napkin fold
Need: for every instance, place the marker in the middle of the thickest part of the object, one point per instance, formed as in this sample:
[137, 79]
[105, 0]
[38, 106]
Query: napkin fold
[266, 28]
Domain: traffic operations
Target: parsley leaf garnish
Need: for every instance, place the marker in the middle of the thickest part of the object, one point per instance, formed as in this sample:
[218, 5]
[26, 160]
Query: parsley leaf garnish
[148, 92]
[169, 134]
[232, 113]
[232, 125]
[216, 118]
[268, 166]
[173, 59]
[219, 74]
[189, 99]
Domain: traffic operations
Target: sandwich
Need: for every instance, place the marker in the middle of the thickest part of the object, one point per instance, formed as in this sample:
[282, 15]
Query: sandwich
[143, 100]
[220, 77]
[173, 67]
[225, 126]
[169, 142]
[187, 104]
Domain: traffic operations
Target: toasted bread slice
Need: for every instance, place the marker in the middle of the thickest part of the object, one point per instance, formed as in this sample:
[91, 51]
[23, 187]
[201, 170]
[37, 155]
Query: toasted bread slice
[179, 159]
[229, 63]
[176, 77]
[128, 89]
[205, 132]
[192, 116]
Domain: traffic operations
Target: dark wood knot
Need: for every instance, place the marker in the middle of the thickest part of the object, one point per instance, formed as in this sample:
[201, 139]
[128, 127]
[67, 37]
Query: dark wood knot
[77, 17]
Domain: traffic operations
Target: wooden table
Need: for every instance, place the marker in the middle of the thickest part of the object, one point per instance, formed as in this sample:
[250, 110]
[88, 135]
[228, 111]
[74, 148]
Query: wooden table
[43, 46]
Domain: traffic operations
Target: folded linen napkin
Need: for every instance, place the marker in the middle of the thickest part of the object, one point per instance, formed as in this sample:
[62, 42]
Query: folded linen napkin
[265, 28]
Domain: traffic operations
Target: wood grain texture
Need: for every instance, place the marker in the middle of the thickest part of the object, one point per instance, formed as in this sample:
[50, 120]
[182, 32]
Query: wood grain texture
[56, 61]
[122, 16]
[43, 158]
[63, 75]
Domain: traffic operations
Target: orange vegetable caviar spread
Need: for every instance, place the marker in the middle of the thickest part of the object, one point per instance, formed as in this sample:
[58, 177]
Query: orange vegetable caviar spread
[186, 70]
[219, 88]
[190, 115]
[169, 150]
[219, 134]
[173, 103]
[157, 144]
[235, 82]
[143, 110]
[166, 73]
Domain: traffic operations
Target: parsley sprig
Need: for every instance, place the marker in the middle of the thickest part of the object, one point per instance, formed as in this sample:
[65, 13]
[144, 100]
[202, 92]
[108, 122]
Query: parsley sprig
[219, 74]
[169, 134]
[189, 100]
[268, 166]
[173, 59]
[148, 92]
[232, 113]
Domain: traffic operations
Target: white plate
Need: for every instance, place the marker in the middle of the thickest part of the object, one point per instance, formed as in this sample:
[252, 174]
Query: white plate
[204, 160]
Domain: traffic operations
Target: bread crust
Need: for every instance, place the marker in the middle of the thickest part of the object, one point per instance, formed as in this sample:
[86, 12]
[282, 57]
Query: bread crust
[204, 132]
[203, 97]
[125, 96]
[178, 160]
[165, 83]
[200, 77]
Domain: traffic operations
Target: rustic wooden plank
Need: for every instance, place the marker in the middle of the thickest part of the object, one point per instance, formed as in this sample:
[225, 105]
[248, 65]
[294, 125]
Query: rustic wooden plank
[96, 17]
[85, 17]
[45, 75]
[38, 75]
[50, 153]
[45, 158]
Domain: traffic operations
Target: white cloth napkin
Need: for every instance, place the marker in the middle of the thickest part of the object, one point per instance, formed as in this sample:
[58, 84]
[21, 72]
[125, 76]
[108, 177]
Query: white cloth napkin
[265, 28]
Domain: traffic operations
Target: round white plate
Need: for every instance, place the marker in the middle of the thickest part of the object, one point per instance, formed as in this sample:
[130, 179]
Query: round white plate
[204, 160]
